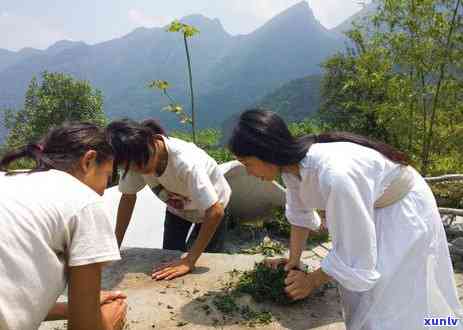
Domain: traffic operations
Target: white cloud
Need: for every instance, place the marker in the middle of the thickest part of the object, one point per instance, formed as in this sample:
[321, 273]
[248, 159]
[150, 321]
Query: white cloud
[138, 18]
[263, 9]
[21, 31]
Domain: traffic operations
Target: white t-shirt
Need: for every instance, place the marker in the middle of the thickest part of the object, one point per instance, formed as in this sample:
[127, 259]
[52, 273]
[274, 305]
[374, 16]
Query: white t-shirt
[191, 177]
[46, 218]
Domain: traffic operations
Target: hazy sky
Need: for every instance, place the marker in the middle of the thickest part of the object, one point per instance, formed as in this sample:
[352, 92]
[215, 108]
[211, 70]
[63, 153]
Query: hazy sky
[40, 23]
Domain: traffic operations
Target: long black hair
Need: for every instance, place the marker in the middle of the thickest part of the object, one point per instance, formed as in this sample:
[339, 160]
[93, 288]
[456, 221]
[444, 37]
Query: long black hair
[132, 141]
[62, 148]
[265, 135]
[154, 126]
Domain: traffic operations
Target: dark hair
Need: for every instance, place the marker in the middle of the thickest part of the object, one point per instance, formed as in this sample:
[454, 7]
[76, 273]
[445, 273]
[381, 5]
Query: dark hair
[62, 148]
[132, 143]
[154, 126]
[264, 134]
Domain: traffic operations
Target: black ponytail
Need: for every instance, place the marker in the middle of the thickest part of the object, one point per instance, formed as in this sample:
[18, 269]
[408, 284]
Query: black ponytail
[31, 151]
[264, 134]
[62, 148]
[383, 148]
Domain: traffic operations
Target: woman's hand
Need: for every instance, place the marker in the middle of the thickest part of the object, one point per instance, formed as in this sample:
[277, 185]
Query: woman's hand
[113, 314]
[274, 263]
[173, 269]
[300, 285]
[109, 296]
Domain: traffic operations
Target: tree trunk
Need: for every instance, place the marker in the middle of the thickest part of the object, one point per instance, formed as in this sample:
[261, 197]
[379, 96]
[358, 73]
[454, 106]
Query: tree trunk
[428, 139]
[193, 118]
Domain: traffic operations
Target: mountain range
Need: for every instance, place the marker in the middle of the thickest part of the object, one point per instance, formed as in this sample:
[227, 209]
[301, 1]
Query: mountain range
[230, 73]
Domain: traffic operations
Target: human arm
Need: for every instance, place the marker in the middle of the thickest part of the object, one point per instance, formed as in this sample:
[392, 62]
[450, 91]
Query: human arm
[124, 214]
[60, 310]
[302, 218]
[168, 271]
[92, 244]
[85, 310]
[203, 193]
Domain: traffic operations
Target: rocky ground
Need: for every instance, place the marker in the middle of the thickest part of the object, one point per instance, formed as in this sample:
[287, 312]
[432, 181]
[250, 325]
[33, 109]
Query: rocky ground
[455, 235]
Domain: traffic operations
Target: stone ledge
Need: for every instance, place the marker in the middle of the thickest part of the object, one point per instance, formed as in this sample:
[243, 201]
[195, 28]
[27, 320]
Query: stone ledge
[180, 302]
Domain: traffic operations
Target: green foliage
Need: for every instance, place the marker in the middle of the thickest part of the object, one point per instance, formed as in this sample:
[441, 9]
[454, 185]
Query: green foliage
[255, 318]
[265, 284]
[208, 140]
[173, 106]
[226, 304]
[159, 84]
[401, 82]
[448, 195]
[279, 225]
[268, 248]
[295, 100]
[57, 99]
[304, 127]
[187, 31]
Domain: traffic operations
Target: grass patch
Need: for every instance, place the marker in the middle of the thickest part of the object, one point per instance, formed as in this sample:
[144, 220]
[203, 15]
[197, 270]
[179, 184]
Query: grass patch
[264, 284]
[226, 304]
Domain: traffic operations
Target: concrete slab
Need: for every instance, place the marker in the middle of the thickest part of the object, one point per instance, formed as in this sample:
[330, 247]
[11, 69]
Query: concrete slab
[181, 302]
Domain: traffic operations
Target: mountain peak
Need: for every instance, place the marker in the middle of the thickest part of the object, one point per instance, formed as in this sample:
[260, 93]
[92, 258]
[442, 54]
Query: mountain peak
[29, 51]
[63, 45]
[203, 23]
[297, 16]
[300, 8]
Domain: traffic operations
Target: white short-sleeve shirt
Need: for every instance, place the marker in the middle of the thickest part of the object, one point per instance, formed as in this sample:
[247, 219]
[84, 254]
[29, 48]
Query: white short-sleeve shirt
[50, 220]
[191, 176]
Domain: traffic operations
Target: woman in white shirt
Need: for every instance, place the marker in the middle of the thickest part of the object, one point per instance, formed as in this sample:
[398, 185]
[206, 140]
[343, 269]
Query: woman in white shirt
[184, 176]
[55, 231]
[390, 255]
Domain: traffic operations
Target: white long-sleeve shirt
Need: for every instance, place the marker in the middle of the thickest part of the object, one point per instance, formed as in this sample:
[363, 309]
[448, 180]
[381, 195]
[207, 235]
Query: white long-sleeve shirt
[383, 259]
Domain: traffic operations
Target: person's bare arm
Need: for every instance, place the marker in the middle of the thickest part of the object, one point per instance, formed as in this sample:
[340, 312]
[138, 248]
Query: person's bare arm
[60, 310]
[212, 220]
[124, 214]
[297, 243]
[84, 309]
[183, 266]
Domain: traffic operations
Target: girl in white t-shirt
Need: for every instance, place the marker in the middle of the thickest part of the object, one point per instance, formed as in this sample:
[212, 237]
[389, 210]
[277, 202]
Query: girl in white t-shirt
[56, 232]
[185, 177]
[390, 255]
